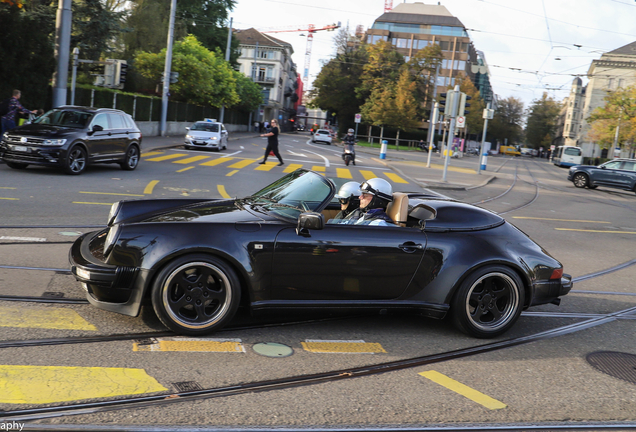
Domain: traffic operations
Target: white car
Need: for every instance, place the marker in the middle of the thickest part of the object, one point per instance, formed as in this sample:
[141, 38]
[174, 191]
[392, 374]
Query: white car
[322, 135]
[206, 134]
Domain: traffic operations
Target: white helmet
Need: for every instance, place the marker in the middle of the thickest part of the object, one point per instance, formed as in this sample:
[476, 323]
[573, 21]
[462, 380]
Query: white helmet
[348, 190]
[378, 187]
[350, 131]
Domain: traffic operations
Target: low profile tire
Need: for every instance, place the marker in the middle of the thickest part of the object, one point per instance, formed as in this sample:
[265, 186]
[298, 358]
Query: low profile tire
[75, 161]
[579, 180]
[17, 165]
[131, 159]
[488, 302]
[196, 294]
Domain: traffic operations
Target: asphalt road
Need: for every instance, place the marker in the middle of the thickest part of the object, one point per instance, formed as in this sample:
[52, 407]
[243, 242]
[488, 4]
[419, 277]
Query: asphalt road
[544, 380]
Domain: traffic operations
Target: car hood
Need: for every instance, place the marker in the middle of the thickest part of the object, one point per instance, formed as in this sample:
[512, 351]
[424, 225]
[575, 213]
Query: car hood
[226, 211]
[45, 131]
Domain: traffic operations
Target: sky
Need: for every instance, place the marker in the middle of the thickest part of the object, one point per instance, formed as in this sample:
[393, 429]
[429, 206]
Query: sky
[531, 46]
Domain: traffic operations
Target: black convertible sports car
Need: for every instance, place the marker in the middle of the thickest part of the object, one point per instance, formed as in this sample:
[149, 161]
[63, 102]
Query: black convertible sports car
[197, 260]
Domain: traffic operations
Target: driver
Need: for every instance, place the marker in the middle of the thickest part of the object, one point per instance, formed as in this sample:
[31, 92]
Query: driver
[350, 139]
[349, 199]
[376, 194]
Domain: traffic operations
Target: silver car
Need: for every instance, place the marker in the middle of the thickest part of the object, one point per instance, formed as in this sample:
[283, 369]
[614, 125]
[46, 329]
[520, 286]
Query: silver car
[206, 134]
[322, 135]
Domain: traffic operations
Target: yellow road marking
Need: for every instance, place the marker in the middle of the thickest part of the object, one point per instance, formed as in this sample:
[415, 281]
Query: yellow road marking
[368, 175]
[343, 173]
[191, 345]
[217, 161]
[51, 384]
[395, 178]
[168, 157]
[150, 186]
[185, 169]
[292, 168]
[109, 193]
[596, 231]
[222, 192]
[7, 187]
[558, 220]
[318, 168]
[152, 153]
[267, 166]
[59, 318]
[243, 163]
[191, 159]
[463, 390]
[231, 173]
[342, 347]
[14, 199]
[81, 202]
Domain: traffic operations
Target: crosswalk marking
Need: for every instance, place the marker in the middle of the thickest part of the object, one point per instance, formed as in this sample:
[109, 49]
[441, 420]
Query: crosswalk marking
[464, 390]
[181, 344]
[59, 318]
[395, 178]
[243, 163]
[343, 173]
[368, 175]
[152, 153]
[167, 157]
[231, 173]
[191, 159]
[292, 168]
[267, 166]
[342, 346]
[318, 168]
[218, 161]
[185, 169]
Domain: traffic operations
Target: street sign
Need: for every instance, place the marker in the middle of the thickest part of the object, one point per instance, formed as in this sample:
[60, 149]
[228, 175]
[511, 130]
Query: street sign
[358, 118]
[460, 122]
[489, 113]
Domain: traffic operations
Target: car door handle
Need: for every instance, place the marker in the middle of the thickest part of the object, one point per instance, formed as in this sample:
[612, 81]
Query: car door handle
[410, 247]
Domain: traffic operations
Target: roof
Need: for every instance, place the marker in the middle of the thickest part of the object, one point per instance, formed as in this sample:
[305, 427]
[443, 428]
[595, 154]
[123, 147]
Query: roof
[629, 49]
[420, 13]
[251, 36]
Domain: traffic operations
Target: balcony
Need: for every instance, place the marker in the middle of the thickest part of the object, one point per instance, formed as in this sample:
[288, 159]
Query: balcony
[265, 80]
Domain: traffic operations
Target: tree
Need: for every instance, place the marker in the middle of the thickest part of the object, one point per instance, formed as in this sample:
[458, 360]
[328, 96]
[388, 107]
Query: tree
[407, 107]
[381, 69]
[95, 28]
[618, 111]
[204, 77]
[507, 121]
[423, 67]
[542, 120]
[249, 93]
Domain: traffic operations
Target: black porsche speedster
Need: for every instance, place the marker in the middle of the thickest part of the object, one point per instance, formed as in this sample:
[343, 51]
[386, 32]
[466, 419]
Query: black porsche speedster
[197, 260]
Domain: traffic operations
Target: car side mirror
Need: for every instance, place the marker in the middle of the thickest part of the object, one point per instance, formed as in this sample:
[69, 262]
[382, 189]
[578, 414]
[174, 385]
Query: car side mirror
[187, 128]
[602, 167]
[98, 128]
[309, 221]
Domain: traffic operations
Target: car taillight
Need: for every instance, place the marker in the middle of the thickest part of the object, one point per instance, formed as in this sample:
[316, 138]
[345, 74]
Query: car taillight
[557, 273]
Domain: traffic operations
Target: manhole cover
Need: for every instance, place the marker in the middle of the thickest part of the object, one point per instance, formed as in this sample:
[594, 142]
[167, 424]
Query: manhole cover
[617, 364]
[186, 386]
[271, 349]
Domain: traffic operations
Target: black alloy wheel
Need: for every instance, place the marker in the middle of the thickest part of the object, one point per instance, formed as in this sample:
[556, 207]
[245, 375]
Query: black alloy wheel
[75, 161]
[132, 158]
[196, 294]
[488, 302]
[17, 165]
[579, 180]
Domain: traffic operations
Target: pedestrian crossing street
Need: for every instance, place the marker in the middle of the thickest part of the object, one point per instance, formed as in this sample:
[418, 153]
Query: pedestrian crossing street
[234, 164]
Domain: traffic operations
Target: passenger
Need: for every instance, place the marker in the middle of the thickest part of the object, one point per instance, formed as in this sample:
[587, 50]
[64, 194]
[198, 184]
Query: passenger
[376, 194]
[349, 198]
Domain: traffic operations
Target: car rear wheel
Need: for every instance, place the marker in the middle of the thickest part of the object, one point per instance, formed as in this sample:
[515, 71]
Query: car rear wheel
[196, 294]
[488, 302]
[579, 180]
[75, 161]
[17, 165]
[132, 158]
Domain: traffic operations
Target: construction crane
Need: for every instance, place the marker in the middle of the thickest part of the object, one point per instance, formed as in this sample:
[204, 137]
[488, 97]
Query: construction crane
[310, 29]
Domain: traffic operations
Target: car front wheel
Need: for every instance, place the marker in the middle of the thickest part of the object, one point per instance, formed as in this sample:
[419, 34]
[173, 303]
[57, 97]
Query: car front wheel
[488, 302]
[579, 180]
[196, 294]
[75, 161]
[132, 158]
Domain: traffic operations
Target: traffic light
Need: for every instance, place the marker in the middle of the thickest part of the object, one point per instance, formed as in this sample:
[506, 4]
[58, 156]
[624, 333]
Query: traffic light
[446, 102]
[121, 71]
[174, 77]
[463, 105]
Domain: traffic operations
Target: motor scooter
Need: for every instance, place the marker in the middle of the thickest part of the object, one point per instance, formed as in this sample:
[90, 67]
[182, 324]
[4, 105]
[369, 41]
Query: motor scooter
[349, 154]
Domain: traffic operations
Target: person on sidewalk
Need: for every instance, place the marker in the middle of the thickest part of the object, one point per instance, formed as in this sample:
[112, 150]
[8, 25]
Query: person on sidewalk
[8, 119]
[272, 142]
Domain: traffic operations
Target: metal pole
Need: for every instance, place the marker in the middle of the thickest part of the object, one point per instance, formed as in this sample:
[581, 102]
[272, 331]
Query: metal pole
[433, 121]
[62, 49]
[166, 69]
[483, 139]
[74, 76]
[228, 48]
[431, 126]
[618, 128]
[451, 130]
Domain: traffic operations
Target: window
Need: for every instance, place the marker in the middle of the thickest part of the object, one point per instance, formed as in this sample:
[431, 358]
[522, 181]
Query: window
[401, 43]
[419, 44]
[620, 82]
[444, 45]
[613, 165]
[375, 38]
[629, 166]
[610, 83]
[101, 120]
[116, 121]
[460, 65]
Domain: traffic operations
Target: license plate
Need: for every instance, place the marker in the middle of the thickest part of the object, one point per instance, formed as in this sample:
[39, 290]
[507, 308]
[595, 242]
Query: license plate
[20, 148]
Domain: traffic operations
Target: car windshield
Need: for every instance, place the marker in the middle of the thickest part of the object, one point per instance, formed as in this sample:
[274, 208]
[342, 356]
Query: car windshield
[205, 127]
[65, 118]
[297, 192]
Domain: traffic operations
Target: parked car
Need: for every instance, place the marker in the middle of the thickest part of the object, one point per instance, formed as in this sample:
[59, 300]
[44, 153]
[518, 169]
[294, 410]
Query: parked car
[73, 137]
[322, 135]
[207, 133]
[617, 173]
[197, 260]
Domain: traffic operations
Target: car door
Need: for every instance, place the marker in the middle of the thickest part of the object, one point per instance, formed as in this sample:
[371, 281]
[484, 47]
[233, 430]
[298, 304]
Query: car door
[608, 174]
[224, 135]
[627, 174]
[346, 262]
[119, 131]
[99, 141]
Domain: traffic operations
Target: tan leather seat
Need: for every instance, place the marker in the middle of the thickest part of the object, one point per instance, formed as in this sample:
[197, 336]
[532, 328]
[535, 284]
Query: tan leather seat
[398, 209]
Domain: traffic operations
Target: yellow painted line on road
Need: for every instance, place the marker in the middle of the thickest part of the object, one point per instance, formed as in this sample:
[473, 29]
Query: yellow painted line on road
[152, 153]
[464, 390]
[243, 163]
[222, 192]
[217, 161]
[395, 178]
[368, 175]
[292, 168]
[111, 193]
[342, 346]
[185, 169]
[191, 159]
[596, 231]
[13, 199]
[267, 166]
[58, 318]
[179, 344]
[318, 168]
[167, 157]
[559, 220]
[83, 202]
[231, 173]
[7, 187]
[343, 173]
[150, 186]
[51, 384]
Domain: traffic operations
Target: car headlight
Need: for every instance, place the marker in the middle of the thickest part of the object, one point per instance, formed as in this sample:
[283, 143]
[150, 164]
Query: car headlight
[54, 142]
[212, 138]
[189, 137]
[114, 211]
[111, 238]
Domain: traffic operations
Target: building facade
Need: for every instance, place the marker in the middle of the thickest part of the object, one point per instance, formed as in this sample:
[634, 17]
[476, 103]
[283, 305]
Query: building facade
[267, 61]
[570, 121]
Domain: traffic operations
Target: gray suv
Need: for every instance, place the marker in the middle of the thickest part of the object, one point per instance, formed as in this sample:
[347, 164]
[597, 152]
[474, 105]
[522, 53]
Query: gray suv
[73, 137]
[617, 173]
